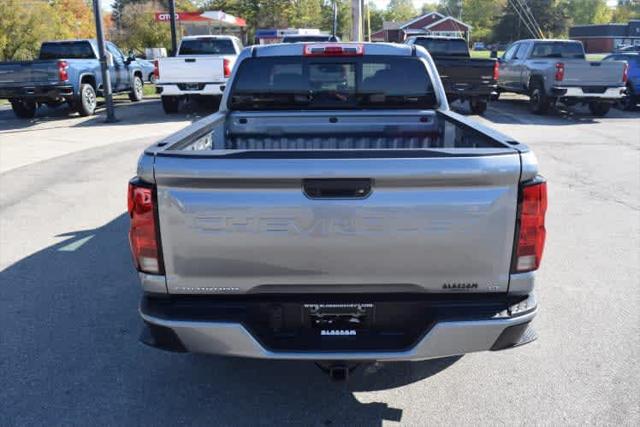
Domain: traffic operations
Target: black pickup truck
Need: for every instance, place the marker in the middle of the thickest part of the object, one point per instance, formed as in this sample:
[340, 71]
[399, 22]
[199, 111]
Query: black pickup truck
[464, 78]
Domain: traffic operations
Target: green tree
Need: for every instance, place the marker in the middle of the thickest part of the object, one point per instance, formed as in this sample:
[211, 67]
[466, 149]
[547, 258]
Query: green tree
[400, 10]
[552, 17]
[589, 12]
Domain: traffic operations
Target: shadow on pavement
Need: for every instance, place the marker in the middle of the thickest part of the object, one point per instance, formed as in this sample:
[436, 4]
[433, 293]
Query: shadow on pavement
[516, 111]
[70, 353]
[127, 113]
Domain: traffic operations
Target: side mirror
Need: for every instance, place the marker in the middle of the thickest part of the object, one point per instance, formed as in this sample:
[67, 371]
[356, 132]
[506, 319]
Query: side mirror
[494, 54]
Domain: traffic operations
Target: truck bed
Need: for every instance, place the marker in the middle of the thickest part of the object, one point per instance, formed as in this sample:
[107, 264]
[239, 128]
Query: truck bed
[252, 203]
[22, 73]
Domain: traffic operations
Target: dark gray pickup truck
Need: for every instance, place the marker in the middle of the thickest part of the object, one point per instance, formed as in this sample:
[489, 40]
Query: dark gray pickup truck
[336, 210]
[463, 77]
[67, 71]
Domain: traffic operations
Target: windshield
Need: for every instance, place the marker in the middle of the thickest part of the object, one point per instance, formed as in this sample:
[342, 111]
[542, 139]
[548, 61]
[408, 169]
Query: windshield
[67, 50]
[207, 47]
[569, 50]
[291, 82]
[444, 47]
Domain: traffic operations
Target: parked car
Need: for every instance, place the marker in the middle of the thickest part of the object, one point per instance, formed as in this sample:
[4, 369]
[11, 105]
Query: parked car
[479, 46]
[549, 71]
[67, 71]
[148, 69]
[632, 97]
[466, 79]
[305, 38]
[337, 216]
[201, 68]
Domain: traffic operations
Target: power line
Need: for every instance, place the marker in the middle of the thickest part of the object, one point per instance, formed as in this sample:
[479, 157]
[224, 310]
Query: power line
[524, 21]
[526, 11]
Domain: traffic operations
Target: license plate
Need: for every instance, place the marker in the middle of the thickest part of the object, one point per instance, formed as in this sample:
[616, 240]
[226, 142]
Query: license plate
[339, 320]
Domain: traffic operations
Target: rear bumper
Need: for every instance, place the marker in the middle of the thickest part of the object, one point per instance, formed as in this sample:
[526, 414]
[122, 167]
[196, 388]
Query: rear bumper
[471, 90]
[482, 328]
[178, 89]
[36, 91]
[613, 93]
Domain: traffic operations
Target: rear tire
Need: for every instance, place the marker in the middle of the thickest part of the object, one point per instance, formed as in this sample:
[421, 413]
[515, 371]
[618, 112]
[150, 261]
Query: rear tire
[85, 103]
[599, 109]
[629, 102]
[214, 102]
[539, 102]
[478, 106]
[170, 104]
[24, 109]
[137, 91]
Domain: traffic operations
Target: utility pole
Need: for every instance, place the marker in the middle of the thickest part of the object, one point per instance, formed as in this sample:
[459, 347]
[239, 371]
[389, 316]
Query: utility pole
[356, 13]
[106, 79]
[172, 20]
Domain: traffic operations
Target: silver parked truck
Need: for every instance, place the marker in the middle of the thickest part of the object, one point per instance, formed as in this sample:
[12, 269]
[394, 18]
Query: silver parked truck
[551, 71]
[336, 210]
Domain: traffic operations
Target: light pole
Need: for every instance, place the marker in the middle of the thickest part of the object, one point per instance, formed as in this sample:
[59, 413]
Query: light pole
[106, 80]
[172, 21]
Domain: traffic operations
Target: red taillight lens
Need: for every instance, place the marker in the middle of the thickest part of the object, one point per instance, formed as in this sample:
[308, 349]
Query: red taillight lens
[156, 69]
[63, 76]
[559, 71]
[625, 73]
[496, 70]
[226, 65]
[142, 232]
[532, 209]
[323, 49]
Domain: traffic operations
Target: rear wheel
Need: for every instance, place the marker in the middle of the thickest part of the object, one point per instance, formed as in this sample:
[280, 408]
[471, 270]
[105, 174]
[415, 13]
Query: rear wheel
[214, 102]
[629, 102]
[136, 90]
[539, 102]
[24, 109]
[478, 106]
[170, 104]
[599, 109]
[86, 102]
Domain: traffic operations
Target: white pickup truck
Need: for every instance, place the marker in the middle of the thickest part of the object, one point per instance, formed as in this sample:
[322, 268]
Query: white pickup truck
[201, 68]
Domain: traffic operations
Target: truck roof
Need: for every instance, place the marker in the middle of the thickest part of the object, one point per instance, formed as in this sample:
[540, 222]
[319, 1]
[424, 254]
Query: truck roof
[426, 36]
[207, 36]
[297, 49]
[549, 40]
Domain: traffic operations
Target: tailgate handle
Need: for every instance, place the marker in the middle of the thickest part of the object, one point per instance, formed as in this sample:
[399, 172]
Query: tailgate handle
[190, 60]
[357, 188]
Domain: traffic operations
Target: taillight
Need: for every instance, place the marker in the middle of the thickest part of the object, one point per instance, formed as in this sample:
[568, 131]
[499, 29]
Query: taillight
[496, 70]
[156, 69]
[531, 231]
[63, 75]
[625, 73]
[559, 71]
[143, 230]
[226, 65]
[323, 49]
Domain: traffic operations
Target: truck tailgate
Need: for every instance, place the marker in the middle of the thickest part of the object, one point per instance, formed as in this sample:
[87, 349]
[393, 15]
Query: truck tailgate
[191, 69]
[461, 70]
[22, 73]
[581, 73]
[435, 224]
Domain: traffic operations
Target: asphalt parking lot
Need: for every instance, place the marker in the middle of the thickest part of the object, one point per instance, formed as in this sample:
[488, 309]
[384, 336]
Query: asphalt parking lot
[68, 296]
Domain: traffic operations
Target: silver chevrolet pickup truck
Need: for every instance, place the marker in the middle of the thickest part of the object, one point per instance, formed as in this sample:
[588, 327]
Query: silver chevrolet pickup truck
[336, 210]
[551, 71]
